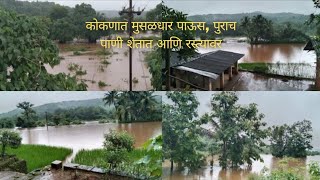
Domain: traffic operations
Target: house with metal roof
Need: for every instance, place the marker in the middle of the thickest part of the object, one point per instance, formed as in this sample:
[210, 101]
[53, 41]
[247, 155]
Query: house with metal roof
[204, 71]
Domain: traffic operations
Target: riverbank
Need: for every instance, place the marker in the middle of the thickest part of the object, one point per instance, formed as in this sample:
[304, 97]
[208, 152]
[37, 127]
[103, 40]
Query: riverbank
[38, 156]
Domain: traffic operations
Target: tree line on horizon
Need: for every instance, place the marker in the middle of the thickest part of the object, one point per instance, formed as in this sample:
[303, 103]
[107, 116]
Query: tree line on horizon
[128, 107]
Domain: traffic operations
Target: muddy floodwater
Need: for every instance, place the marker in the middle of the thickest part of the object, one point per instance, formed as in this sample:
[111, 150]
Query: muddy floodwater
[269, 53]
[216, 172]
[115, 75]
[89, 135]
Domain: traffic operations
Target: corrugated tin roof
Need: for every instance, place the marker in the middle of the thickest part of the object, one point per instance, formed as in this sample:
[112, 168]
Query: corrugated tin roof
[214, 62]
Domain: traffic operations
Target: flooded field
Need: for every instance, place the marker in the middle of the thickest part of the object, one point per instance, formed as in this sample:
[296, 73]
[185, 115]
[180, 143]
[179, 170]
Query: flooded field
[255, 82]
[270, 53]
[216, 172]
[89, 135]
[111, 69]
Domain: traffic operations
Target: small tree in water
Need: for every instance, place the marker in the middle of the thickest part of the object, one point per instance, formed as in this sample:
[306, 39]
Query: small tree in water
[9, 139]
[292, 141]
[117, 145]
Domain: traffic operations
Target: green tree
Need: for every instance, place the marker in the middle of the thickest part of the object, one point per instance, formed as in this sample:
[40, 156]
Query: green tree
[58, 12]
[134, 106]
[171, 15]
[62, 30]
[9, 139]
[83, 13]
[28, 115]
[24, 51]
[238, 130]
[180, 129]
[257, 28]
[117, 145]
[154, 60]
[292, 141]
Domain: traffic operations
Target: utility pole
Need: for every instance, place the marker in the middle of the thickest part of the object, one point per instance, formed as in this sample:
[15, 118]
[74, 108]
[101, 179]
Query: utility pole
[130, 11]
[47, 120]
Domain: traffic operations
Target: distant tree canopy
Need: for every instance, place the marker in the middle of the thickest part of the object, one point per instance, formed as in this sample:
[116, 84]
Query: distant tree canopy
[24, 51]
[134, 106]
[90, 113]
[259, 29]
[291, 141]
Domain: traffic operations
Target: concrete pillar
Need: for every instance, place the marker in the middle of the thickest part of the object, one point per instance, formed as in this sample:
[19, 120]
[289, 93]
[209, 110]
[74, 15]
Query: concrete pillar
[221, 81]
[178, 75]
[230, 73]
[318, 74]
[210, 84]
[236, 67]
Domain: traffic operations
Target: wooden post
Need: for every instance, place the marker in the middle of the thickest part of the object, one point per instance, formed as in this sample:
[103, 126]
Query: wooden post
[236, 67]
[317, 84]
[230, 73]
[221, 81]
[47, 121]
[210, 84]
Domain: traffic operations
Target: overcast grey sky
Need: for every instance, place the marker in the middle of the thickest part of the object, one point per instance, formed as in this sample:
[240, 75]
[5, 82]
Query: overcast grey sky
[193, 7]
[108, 4]
[279, 107]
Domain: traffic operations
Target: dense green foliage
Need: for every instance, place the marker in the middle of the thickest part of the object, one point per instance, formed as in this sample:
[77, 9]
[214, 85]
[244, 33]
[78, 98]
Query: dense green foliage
[9, 139]
[28, 116]
[292, 141]
[134, 106]
[181, 133]
[38, 156]
[25, 49]
[28, 8]
[67, 116]
[238, 129]
[154, 61]
[117, 145]
[61, 116]
[259, 29]
[284, 27]
[144, 162]
[171, 15]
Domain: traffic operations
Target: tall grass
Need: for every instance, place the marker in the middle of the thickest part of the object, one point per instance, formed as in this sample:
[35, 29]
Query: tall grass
[298, 70]
[38, 156]
[97, 157]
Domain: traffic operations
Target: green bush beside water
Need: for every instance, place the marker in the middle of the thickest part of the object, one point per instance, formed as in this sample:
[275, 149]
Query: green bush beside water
[38, 156]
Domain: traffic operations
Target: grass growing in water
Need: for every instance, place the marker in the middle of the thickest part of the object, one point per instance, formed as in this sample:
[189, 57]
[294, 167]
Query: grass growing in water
[38, 156]
[295, 70]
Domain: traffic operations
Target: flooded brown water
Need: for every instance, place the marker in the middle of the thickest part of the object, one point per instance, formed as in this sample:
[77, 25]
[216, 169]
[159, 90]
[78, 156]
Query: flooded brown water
[216, 172]
[270, 53]
[89, 135]
[115, 75]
